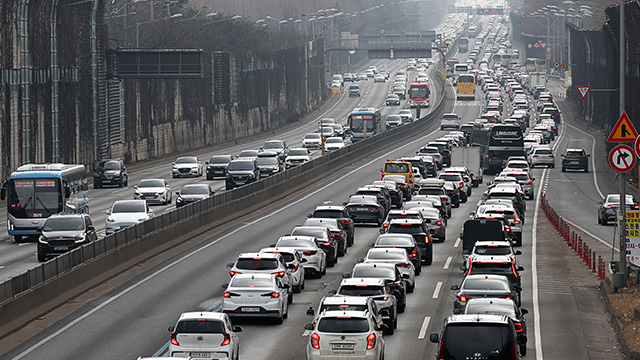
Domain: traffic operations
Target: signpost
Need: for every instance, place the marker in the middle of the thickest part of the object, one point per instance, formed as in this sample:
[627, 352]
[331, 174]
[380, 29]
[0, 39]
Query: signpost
[622, 158]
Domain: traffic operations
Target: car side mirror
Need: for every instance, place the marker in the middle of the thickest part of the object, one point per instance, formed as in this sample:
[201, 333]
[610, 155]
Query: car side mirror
[291, 266]
[309, 327]
[462, 268]
[520, 268]
[518, 252]
[381, 231]
[434, 338]
[333, 292]
[225, 285]
[518, 288]
[457, 311]
[310, 311]
[346, 275]
[524, 311]
[108, 212]
[91, 228]
[177, 193]
[171, 328]
[309, 216]
[371, 245]
[229, 265]
[135, 187]
[237, 328]
[274, 245]
[522, 339]
[344, 203]
[455, 287]
[361, 260]
[286, 286]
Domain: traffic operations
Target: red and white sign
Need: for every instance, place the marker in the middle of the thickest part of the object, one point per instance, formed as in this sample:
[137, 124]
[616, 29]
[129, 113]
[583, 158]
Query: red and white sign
[583, 90]
[636, 146]
[622, 158]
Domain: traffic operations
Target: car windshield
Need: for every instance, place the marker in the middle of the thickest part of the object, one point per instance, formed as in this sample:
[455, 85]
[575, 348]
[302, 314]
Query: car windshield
[298, 152]
[111, 165]
[312, 136]
[267, 160]
[396, 168]
[273, 145]
[256, 263]
[128, 207]
[220, 160]
[361, 290]
[492, 250]
[151, 183]
[394, 240]
[450, 177]
[195, 190]
[186, 160]
[63, 224]
[394, 117]
[485, 284]
[343, 325]
[200, 326]
[490, 308]
[474, 340]
[250, 282]
[240, 166]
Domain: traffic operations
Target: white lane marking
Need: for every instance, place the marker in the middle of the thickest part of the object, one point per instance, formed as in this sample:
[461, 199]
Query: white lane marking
[457, 243]
[436, 292]
[214, 242]
[590, 234]
[119, 190]
[534, 275]
[23, 244]
[423, 329]
[1, 266]
[593, 158]
[447, 263]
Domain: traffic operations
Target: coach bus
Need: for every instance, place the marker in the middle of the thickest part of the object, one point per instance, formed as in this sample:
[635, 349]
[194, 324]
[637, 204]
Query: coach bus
[419, 95]
[463, 44]
[363, 123]
[497, 144]
[466, 87]
[36, 191]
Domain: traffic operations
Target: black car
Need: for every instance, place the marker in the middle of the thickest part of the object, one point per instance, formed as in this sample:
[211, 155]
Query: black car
[336, 229]
[192, 193]
[393, 189]
[483, 286]
[269, 163]
[418, 229]
[444, 148]
[217, 166]
[241, 172]
[339, 213]
[62, 233]
[365, 209]
[110, 172]
[575, 159]
[454, 193]
[382, 194]
[402, 241]
[391, 276]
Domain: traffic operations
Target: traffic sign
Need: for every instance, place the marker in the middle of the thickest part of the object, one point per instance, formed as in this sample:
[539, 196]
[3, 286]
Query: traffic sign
[583, 90]
[556, 65]
[622, 158]
[636, 146]
[624, 131]
[529, 46]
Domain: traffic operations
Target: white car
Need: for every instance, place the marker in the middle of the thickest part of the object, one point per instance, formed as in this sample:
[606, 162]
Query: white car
[345, 335]
[297, 156]
[406, 115]
[155, 191]
[187, 166]
[265, 263]
[333, 143]
[204, 335]
[379, 78]
[256, 295]
[542, 155]
[293, 259]
[316, 258]
[396, 256]
[312, 141]
[125, 213]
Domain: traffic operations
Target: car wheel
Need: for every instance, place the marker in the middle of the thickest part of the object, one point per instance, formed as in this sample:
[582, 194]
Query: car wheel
[599, 221]
[586, 169]
[531, 196]
[401, 307]
[341, 251]
[523, 349]
[120, 183]
[418, 270]
[297, 289]
[97, 185]
[564, 169]
[390, 329]
[280, 320]
[429, 260]
[553, 166]
[302, 285]
[463, 198]
[410, 288]
[324, 271]
[17, 239]
[290, 298]
[42, 257]
[605, 221]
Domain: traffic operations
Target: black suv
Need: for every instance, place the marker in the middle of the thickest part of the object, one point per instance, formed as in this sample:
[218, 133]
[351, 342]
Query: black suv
[111, 172]
[444, 149]
[62, 233]
[576, 159]
[241, 172]
[217, 166]
[340, 213]
[416, 228]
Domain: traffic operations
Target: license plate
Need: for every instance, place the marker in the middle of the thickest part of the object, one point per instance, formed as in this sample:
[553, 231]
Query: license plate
[60, 248]
[200, 354]
[124, 226]
[250, 309]
[363, 209]
[342, 346]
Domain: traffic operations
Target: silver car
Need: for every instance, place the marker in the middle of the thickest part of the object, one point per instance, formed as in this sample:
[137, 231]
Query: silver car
[293, 259]
[125, 213]
[397, 257]
[256, 295]
[297, 156]
[381, 293]
[205, 335]
[154, 191]
[265, 263]
[187, 166]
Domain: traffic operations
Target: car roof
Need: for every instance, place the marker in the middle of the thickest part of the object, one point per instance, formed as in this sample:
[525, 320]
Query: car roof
[405, 221]
[353, 300]
[254, 276]
[492, 243]
[477, 318]
[329, 207]
[278, 250]
[363, 281]
[345, 314]
[492, 259]
[255, 255]
[297, 237]
[67, 215]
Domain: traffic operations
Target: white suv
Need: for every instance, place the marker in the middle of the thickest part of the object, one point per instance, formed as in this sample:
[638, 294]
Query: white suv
[204, 335]
[344, 335]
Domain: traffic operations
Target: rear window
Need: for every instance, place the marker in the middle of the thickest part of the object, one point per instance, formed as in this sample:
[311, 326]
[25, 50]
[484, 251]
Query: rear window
[475, 341]
[387, 240]
[343, 325]
[295, 243]
[544, 152]
[373, 272]
[491, 268]
[431, 191]
[365, 290]
[330, 214]
[396, 168]
[200, 327]
[343, 307]
[288, 257]
[256, 264]
[485, 284]
[319, 233]
[250, 282]
[449, 177]
[406, 229]
[573, 154]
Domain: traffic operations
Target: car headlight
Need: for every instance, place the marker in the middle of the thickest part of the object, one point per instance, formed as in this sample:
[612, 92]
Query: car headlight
[79, 239]
[175, 167]
[142, 219]
[159, 193]
[43, 240]
[110, 219]
[137, 193]
[179, 200]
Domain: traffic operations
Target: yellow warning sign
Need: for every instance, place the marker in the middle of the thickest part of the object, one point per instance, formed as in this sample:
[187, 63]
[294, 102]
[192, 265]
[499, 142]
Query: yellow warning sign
[624, 131]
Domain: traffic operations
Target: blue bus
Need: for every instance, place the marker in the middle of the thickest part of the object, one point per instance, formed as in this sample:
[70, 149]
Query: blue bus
[363, 123]
[36, 191]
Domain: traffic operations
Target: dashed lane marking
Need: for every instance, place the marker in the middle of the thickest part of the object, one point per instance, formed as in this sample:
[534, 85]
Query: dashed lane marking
[447, 263]
[425, 326]
[436, 292]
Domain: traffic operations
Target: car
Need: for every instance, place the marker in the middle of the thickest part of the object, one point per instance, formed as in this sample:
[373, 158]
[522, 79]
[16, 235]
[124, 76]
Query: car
[205, 335]
[124, 213]
[263, 263]
[609, 206]
[339, 213]
[362, 76]
[217, 166]
[312, 141]
[436, 224]
[192, 193]
[345, 335]
[393, 121]
[334, 143]
[339, 130]
[541, 155]
[401, 214]
[525, 179]
[348, 303]
[380, 291]
[507, 194]
[379, 78]
[390, 273]
[457, 178]
[510, 214]
[112, 172]
[483, 286]
[64, 232]
[325, 239]
[278, 146]
[294, 261]
[575, 159]
[418, 229]
[241, 172]
[393, 189]
[497, 265]
[381, 193]
[450, 120]
[297, 156]
[336, 229]
[154, 191]
[248, 154]
[354, 90]
[453, 191]
[492, 247]
[417, 162]
[269, 163]
[444, 148]
[406, 114]
[505, 307]
[405, 242]
[314, 259]
[336, 84]
[255, 296]
[392, 99]
[365, 209]
[397, 257]
[436, 203]
[403, 184]
[187, 166]
[517, 165]
[470, 178]
[435, 154]
[476, 337]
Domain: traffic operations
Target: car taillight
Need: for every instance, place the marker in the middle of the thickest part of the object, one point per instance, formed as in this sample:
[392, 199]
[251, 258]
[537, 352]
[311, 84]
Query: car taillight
[442, 350]
[315, 341]
[344, 222]
[529, 182]
[414, 253]
[513, 269]
[309, 253]
[232, 273]
[536, 156]
[463, 298]
[326, 244]
[227, 339]
[507, 229]
[228, 294]
[174, 341]
[404, 264]
[461, 185]
[608, 207]
[296, 265]
[518, 327]
[272, 294]
[426, 239]
[439, 222]
[371, 341]
[278, 274]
